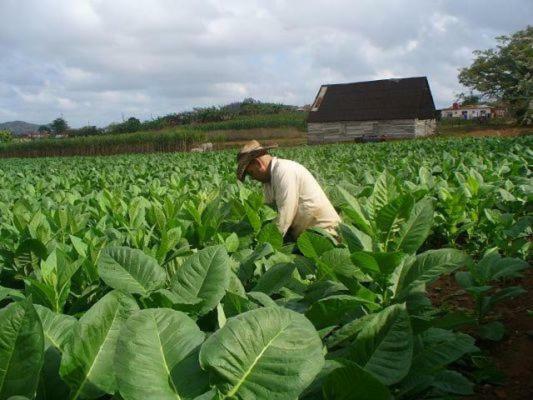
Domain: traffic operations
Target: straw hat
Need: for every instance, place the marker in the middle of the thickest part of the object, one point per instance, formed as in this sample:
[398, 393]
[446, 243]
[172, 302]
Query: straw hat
[251, 150]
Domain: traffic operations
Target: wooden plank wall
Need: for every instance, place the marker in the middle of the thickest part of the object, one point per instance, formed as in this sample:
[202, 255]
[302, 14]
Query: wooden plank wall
[329, 132]
[425, 127]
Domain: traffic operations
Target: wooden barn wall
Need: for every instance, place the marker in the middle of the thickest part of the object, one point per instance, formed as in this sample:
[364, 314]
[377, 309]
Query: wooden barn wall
[352, 130]
[425, 127]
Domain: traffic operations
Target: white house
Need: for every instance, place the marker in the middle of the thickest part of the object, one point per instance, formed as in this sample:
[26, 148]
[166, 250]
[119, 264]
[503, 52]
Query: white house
[467, 112]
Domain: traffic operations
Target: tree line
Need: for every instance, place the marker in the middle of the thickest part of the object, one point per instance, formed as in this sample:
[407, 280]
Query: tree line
[199, 115]
[503, 74]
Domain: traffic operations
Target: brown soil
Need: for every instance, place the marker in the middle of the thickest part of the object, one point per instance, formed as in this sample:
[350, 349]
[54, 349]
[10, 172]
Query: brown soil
[285, 142]
[294, 137]
[513, 356]
[501, 132]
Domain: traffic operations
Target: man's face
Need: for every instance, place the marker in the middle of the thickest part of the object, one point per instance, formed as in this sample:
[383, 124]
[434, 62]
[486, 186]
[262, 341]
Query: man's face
[258, 170]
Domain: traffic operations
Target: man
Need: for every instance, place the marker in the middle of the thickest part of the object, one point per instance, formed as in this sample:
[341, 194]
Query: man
[300, 200]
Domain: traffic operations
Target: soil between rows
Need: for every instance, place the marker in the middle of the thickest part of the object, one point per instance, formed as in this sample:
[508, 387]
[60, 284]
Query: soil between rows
[512, 356]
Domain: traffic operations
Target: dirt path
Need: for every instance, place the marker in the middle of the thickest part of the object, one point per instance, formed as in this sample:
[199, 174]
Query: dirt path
[288, 142]
[502, 132]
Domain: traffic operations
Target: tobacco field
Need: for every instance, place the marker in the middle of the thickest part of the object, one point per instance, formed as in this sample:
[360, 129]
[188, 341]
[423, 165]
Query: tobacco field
[161, 277]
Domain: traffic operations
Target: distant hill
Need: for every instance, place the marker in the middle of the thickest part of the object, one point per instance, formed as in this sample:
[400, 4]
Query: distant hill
[19, 127]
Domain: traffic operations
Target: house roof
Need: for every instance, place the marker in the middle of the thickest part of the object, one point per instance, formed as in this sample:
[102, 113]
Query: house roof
[374, 100]
[469, 106]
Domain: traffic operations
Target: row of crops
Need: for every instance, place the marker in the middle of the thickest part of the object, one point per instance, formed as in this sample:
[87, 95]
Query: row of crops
[161, 277]
[180, 138]
[138, 142]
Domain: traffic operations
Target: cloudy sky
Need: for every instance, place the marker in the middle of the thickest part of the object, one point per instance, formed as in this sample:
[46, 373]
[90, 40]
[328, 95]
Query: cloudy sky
[96, 61]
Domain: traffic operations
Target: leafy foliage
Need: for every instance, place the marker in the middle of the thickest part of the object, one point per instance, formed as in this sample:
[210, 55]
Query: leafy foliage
[143, 276]
[504, 73]
[478, 280]
[59, 126]
[5, 136]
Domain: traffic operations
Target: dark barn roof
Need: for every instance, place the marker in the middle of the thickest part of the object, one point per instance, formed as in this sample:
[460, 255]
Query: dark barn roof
[374, 100]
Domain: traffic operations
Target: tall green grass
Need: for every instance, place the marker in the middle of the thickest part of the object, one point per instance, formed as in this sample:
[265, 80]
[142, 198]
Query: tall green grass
[282, 120]
[173, 139]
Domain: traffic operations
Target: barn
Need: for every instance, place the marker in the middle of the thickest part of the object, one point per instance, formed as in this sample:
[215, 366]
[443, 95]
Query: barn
[373, 110]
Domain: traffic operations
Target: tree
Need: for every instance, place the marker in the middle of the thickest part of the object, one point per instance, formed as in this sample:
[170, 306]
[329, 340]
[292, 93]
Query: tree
[469, 99]
[59, 126]
[132, 124]
[89, 130]
[505, 73]
[5, 136]
[44, 129]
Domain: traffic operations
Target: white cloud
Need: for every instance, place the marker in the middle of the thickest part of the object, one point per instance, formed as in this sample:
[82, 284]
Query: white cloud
[96, 60]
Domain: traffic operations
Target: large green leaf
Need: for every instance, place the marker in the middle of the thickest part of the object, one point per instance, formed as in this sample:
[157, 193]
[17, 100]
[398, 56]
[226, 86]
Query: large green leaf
[314, 390]
[270, 234]
[6, 292]
[130, 270]
[247, 259]
[317, 290]
[453, 382]
[29, 252]
[312, 245]
[87, 364]
[382, 193]
[21, 350]
[426, 268]
[51, 386]
[354, 238]
[157, 357]
[365, 261]
[335, 310]
[264, 353]
[388, 217]
[437, 348]
[351, 382]
[337, 263]
[348, 331]
[388, 262]
[440, 348]
[204, 275]
[354, 211]
[42, 293]
[417, 227]
[164, 298]
[57, 329]
[492, 266]
[53, 284]
[261, 299]
[274, 278]
[253, 217]
[235, 304]
[384, 347]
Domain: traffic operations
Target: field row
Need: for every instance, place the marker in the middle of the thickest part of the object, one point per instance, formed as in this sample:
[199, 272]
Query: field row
[179, 138]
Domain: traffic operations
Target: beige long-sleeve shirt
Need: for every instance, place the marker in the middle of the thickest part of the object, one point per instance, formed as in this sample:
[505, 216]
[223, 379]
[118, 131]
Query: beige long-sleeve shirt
[300, 200]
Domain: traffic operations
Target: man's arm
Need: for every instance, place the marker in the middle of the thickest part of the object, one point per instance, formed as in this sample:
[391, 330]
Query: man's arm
[286, 193]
